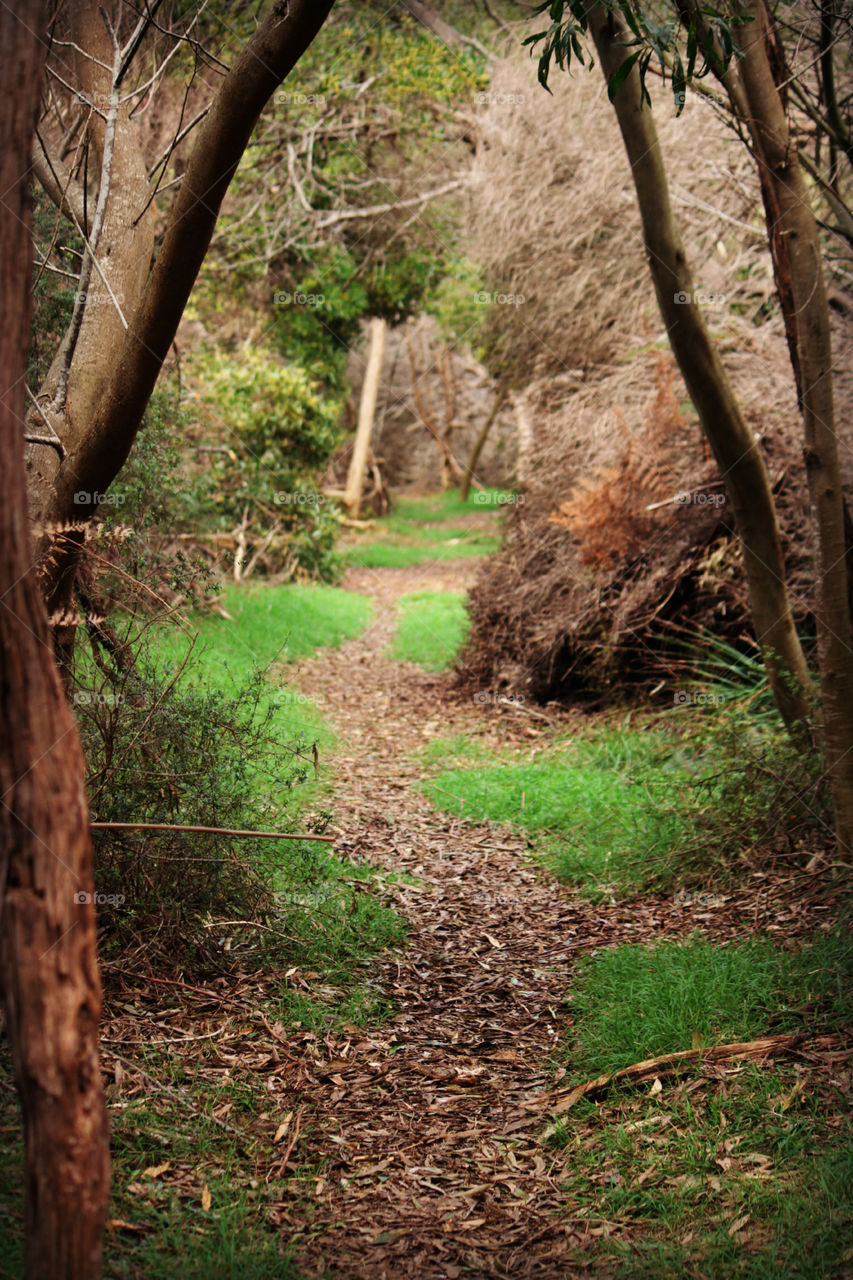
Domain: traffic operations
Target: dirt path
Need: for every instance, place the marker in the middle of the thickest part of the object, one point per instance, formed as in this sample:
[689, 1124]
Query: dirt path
[430, 1163]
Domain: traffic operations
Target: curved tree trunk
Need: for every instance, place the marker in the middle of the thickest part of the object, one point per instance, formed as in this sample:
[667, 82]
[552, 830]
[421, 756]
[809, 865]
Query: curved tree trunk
[366, 415]
[95, 457]
[479, 443]
[735, 450]
[48, 964]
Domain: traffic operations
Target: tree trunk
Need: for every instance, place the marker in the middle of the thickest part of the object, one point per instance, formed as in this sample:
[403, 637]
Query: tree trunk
[366, 414]
[796, 224]
[48, 964]
[735, 450]
[95, 457]
[479, 443]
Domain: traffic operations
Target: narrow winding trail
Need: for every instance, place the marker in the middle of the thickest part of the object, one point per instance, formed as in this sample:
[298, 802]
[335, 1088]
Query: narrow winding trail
[426, 1129]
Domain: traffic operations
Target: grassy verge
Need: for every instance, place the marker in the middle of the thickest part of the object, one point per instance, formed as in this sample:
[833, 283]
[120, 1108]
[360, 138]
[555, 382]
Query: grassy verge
[268, 628]
[741, 1172]
[420, 530]
[197, 1185]
[683, 798]
[597, 808]
[432, 629]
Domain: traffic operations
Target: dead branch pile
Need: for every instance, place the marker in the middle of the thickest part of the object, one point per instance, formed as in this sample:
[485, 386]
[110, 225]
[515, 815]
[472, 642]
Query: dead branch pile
[622, 535]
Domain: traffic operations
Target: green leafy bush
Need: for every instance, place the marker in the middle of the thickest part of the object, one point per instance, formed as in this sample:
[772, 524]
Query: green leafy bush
[273, 429]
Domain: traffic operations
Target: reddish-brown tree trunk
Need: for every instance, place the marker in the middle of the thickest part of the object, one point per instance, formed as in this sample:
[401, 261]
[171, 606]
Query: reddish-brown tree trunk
[48, 965]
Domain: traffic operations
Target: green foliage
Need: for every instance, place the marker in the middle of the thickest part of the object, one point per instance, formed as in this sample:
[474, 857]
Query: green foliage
[210, 737]
[432, 629]
[278, 429]
[710, 40]
[638, 1002]
[151, 483]
[456, 302]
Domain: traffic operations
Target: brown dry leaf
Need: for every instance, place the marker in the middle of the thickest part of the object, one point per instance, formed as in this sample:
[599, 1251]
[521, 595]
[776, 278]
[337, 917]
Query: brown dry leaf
[206, 1200]
[656, 1088]
[283, 1127]
[739, 1224]
[155, 1170]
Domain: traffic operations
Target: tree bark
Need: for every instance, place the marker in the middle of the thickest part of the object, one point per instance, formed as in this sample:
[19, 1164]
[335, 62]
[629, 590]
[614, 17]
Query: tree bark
[777, 156]
[48, 964]
[95, 458]
[735, 450]
[366, 414]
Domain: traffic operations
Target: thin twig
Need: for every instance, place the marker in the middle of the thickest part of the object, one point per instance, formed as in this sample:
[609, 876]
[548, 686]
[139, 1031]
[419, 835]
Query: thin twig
[216, 831]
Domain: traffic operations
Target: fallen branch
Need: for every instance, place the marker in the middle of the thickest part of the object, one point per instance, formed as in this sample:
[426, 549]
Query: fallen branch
[671, 1063]
[213, 831]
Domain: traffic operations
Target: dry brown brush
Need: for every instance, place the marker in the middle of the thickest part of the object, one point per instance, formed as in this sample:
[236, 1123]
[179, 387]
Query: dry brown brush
[622, 536]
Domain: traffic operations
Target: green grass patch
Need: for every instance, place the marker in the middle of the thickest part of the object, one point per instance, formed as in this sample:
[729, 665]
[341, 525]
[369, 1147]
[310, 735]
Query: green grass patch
[432, 629]
[747, 1176]
[452, 544]
[436, 527]
[637, 1002]
[748, 1179]
[598, 806]
[270, 624]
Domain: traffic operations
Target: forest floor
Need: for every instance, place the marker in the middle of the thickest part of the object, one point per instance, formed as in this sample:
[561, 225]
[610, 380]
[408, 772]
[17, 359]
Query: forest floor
[427, 1131]
[253, 1141]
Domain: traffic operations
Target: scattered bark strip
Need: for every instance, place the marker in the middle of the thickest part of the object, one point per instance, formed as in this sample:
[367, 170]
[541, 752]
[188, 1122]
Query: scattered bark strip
[672, 1063]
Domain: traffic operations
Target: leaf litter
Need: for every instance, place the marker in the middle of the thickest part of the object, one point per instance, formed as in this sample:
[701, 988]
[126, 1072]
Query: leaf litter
[418, 1147]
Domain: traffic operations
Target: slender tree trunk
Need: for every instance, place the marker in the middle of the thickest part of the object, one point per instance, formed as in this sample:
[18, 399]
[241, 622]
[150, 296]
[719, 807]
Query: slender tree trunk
[796, 224]
[95, 457]
[735, 450]
[479, 443]
[48, 964]
[366, 414]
